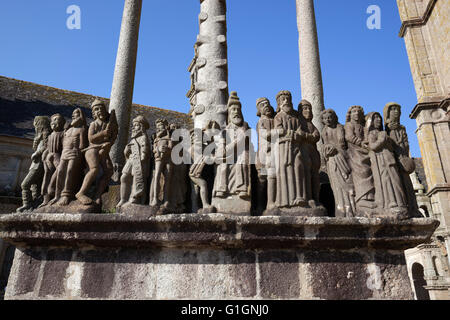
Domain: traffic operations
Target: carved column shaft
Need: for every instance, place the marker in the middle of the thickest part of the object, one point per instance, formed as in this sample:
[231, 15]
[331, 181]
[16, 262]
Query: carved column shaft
[211, 86]
[124, 73]
[310, 70]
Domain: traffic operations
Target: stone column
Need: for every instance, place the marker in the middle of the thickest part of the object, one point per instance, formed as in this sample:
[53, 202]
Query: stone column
[123, 83]
[310, 71]
[210, 66]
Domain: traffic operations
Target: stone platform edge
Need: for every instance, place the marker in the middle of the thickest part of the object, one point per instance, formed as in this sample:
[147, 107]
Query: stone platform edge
[216, 230]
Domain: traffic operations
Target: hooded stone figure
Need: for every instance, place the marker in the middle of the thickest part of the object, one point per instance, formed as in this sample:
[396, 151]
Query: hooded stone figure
[389, 193]
[399, 137]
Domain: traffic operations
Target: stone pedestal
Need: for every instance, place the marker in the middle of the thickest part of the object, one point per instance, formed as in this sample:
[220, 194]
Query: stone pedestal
[66, 256]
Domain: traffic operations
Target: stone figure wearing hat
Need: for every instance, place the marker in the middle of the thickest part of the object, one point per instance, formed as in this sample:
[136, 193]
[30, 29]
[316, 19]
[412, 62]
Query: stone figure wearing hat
[399, 137]
[101, 135]
[265, 162]
[137, 166]
[233, 172]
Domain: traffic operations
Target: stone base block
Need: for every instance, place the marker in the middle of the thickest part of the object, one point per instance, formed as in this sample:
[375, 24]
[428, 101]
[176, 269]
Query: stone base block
[73, 207]
[64, 256]
[297, 212]
[232, 205]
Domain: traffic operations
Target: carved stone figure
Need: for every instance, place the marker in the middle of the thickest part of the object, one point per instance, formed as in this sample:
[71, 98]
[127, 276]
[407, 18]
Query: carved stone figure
[309, 136]
[265, 162]
[31, 185]
[334, 150]
[290, 169]
[52, 156]
[406, 165]
[201, 140]
[137, 166]
[359, 160]
[389, 194]
[232, 184]
[71, 167]
[101, 135]
[162, 150]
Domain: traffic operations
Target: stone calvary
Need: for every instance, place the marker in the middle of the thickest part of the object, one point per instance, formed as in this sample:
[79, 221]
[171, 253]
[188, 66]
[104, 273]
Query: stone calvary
[204, 213]
[367, 162]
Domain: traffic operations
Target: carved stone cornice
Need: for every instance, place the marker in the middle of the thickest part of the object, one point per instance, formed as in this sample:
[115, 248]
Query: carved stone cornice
[417, 22]
[435, 103]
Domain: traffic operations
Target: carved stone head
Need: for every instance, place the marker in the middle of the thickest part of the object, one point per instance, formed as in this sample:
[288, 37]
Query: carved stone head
[329, 118]
[355, 114]
[284, 101]
[162, 127]
[140, 126]
[392, 112]
[305, 110]
[235, 110]
[57, 122]
[42, 128]
[99, 110]
[374, 121]
[78, 118]
[264, 108]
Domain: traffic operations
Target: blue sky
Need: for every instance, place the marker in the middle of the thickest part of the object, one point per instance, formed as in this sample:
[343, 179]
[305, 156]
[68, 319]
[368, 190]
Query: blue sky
[359, 66]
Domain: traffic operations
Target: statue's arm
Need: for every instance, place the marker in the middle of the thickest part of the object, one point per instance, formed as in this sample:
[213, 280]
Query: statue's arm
[97, 138]
[351, 137]
[376, 141]
[84, 143]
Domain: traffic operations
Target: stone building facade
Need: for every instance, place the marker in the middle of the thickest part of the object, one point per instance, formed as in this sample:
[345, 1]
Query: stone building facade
[425, 29]
[20, 102]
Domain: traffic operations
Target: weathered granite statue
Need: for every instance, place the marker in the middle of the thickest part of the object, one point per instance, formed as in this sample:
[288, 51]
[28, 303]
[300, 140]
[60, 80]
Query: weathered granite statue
[309, 136]
[232, 184]
[359, 160]
[201, 156]
[389, 195]
[70, 169]
[102, 135]
[290, 169]
[135, 173]
[265, 162]
[31, 185]
[406, 165]
[52, 157]
[161, 190]
[334, 150]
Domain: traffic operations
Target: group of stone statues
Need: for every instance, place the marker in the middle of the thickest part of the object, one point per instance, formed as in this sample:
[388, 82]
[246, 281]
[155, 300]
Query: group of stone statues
[367, 162]
[62, 155]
